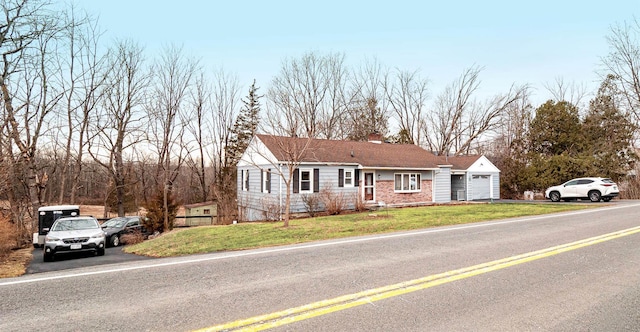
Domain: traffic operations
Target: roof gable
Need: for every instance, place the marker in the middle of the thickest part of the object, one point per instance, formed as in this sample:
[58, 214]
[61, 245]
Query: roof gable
[483, 165]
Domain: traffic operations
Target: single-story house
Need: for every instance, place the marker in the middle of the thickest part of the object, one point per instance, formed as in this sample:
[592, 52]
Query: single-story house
[373, 173]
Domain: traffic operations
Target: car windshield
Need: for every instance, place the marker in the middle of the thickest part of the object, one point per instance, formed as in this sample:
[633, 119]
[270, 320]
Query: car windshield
[74, 224]
[115, 222]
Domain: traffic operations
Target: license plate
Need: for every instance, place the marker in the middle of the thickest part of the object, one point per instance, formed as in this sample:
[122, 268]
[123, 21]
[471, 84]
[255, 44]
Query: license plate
[76, 246]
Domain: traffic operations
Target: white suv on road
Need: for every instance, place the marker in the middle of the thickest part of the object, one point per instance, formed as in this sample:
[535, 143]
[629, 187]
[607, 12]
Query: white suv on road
[594, 189]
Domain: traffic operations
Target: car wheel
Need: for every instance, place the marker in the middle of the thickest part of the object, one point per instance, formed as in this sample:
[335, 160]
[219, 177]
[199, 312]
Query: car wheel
[554, 196]
[47, 257]
[115, 240]
[100, 251]
[606, 199]
[594, 196]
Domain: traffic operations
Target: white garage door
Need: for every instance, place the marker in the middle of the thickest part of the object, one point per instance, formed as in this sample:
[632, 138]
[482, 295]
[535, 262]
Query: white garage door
[481, 187]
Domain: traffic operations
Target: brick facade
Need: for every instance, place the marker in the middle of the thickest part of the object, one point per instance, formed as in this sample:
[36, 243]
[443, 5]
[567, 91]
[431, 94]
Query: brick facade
[385, 193]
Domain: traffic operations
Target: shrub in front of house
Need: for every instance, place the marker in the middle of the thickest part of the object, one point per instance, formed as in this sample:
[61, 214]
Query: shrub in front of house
[334, 202]
[132, 238]
[270, 210]
[312, 203]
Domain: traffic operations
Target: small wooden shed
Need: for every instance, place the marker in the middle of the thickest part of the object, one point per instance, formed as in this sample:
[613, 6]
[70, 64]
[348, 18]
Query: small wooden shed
[198, 214]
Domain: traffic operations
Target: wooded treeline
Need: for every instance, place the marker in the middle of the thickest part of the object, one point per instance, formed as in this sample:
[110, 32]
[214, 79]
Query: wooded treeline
[94, 122]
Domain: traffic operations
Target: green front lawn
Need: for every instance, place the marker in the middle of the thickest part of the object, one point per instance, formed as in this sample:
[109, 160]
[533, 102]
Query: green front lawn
[205, 239]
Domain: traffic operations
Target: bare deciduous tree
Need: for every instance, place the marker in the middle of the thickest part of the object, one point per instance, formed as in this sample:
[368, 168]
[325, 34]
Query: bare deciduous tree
[199, 127]
[407, 94]
[225, 100]
[310, 95]
[84, 72]
[367, 113]
[459, 121]
[118, 125]
[562, 91]
[166, 110]
[623, 62]
[28, 31]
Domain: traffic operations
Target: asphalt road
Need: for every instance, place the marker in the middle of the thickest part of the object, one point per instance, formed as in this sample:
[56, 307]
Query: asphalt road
[491, 276]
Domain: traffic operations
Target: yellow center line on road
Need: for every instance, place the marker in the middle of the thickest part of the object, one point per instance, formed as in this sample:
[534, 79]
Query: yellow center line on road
[263, 322]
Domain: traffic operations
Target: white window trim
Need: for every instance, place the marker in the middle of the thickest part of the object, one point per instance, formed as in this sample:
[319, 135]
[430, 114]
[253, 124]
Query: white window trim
[300, 190]
[418, 184]
[352, 177]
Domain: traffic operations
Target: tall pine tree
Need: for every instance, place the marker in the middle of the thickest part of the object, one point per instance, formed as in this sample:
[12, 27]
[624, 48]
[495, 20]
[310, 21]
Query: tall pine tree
[367, 119]
[242, 132]
[609, 132]
[245, 126]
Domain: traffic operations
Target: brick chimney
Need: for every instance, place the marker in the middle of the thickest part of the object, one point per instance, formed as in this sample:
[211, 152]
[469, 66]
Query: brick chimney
[375, 138]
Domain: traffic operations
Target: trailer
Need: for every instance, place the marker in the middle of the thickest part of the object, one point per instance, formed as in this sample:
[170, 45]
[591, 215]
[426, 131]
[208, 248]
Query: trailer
[47, 215]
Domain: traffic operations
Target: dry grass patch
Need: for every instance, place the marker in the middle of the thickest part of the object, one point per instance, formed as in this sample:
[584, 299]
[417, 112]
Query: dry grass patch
[15, 264]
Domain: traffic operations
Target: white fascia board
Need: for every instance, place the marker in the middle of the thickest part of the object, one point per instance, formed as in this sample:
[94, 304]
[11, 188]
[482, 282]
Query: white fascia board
[315, 163]
[483, 165]
[398, 168]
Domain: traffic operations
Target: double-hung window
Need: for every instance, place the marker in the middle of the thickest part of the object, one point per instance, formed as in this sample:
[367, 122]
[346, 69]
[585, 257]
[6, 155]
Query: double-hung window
[306, 180]
[407, 182]
[266, 181]
[346, 177]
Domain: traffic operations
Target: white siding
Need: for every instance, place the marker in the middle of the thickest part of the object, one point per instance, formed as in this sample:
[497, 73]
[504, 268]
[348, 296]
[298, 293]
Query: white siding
[442, 185]
[495, 186]
[256, 205]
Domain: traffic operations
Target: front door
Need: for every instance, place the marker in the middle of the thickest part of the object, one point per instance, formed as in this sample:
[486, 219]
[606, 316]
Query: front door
[369, 186]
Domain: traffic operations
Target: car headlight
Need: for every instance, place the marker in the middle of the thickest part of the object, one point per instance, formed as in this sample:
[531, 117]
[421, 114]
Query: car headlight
[51, 238]
[98, 235]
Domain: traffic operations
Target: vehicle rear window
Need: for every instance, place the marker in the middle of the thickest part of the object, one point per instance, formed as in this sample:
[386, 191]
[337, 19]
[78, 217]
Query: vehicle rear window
[607, 181]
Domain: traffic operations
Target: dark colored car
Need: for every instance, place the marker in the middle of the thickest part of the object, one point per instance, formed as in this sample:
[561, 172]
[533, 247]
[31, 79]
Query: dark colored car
[114, 228]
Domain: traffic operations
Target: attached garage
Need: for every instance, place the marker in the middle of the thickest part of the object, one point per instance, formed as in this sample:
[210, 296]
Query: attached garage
[474, 178]
[480, 187]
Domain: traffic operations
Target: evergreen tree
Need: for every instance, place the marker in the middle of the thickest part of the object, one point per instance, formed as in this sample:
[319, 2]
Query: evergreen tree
[367, 119]
[556, 146]
[242, 132]
[556, 129]
[245, 126]
[609, 132]
[155, 212]
[403, 137]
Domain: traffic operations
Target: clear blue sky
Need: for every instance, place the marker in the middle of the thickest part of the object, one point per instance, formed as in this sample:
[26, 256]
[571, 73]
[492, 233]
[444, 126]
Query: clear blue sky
[515, 41]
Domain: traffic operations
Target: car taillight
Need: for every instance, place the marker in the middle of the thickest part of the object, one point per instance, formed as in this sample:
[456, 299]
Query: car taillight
[607, 184]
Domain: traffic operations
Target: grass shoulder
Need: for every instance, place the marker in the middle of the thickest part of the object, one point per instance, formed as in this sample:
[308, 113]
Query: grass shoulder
[242, 236]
